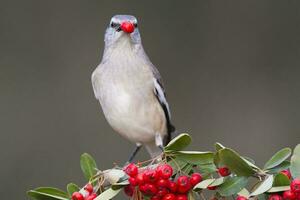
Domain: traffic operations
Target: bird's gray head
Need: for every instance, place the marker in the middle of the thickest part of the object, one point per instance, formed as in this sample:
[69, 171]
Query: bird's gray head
[122, 27]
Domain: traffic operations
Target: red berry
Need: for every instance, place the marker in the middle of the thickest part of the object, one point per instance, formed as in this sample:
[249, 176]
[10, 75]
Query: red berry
[162, 192]
[131, 170]
[128, 189]
[169, 196]
[149, 189]
[224, 171]
[155, 197]
[77, 196]
[195, 179]
[183, 184]
[287, 173]
[289, 195]
[89, 188]
[212, 187]
[172, 187]
[150, 176]
[127, 27]
[165, 171]
[133, 181]
[91, 196]
[181, 197]
[275, 197]
[295, 186]
[162, 183]
[241, 198]
[140, 179]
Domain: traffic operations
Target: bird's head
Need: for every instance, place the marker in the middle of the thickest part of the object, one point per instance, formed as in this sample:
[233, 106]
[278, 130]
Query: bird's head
[122, 28]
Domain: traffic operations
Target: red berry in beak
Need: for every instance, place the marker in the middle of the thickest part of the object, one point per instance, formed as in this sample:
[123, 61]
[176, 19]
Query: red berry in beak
[127, 27]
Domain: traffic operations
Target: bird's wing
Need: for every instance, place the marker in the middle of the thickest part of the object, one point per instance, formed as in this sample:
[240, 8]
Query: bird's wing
[95, 83]
[161, 97]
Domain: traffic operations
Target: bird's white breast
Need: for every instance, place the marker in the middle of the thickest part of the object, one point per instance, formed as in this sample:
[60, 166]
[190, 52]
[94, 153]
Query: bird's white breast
[125, 89]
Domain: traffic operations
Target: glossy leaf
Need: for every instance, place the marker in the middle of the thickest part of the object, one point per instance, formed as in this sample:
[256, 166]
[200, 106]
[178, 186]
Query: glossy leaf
[295, 162]
[281, 180]
[218, 181]
[250, 162]
[219, 146]
[179, 142]
[117, 186]
[204, 184]
[195, 157]
[235, 163]
[88, 166]
[278, 158]
[71, 188]
[232, 185]
[263, 186]
[284, 165]
[279, 189]
[244, 192]
[108, 194]
[47, 193]
[207, 168]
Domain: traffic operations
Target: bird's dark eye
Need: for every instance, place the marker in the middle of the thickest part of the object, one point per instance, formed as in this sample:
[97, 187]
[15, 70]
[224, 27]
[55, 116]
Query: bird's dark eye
[113, 24]
[135, 25]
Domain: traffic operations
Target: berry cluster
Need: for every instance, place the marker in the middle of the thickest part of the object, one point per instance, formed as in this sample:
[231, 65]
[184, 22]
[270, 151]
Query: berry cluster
[292, 194]
[158, 183]
[87, 194]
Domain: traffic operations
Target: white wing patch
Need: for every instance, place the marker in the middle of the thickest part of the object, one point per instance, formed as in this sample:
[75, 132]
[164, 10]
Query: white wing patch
[161, 96]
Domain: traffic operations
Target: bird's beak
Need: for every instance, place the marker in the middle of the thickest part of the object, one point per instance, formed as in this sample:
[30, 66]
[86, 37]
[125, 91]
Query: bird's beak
[127, 27]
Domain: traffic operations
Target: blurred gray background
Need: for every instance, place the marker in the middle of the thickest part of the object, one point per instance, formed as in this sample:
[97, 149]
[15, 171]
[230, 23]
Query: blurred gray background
[231, 70]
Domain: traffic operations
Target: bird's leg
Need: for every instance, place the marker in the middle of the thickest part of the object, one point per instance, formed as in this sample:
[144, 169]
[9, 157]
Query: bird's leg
[136, 150]
[159, 142]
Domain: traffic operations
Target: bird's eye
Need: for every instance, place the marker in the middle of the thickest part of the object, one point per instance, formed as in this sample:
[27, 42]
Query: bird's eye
[113, 24]
[135, 25]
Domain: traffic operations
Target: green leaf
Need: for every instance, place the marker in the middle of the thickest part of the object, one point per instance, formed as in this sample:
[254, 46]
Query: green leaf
[179, 142]
[279, 189]
[244, 193]
[218, 181]
[278, 158]
[232, 185]
[207, 168]
[88, 166]
[117, 186]
[108, 194]
[219, 146]
[284, 165]
[71, 188]
[250, 162]
[177, 164]
[203, 184]
[47, 193]
[195, 157]
[295, 162]
[235, 162]
[264, 186]
[281, 180]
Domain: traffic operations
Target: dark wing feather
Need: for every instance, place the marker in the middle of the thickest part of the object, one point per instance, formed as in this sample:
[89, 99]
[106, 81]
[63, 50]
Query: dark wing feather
[161, 97]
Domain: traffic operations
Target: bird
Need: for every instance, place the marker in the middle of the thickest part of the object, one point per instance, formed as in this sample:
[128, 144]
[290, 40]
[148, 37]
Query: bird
[130, 89]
